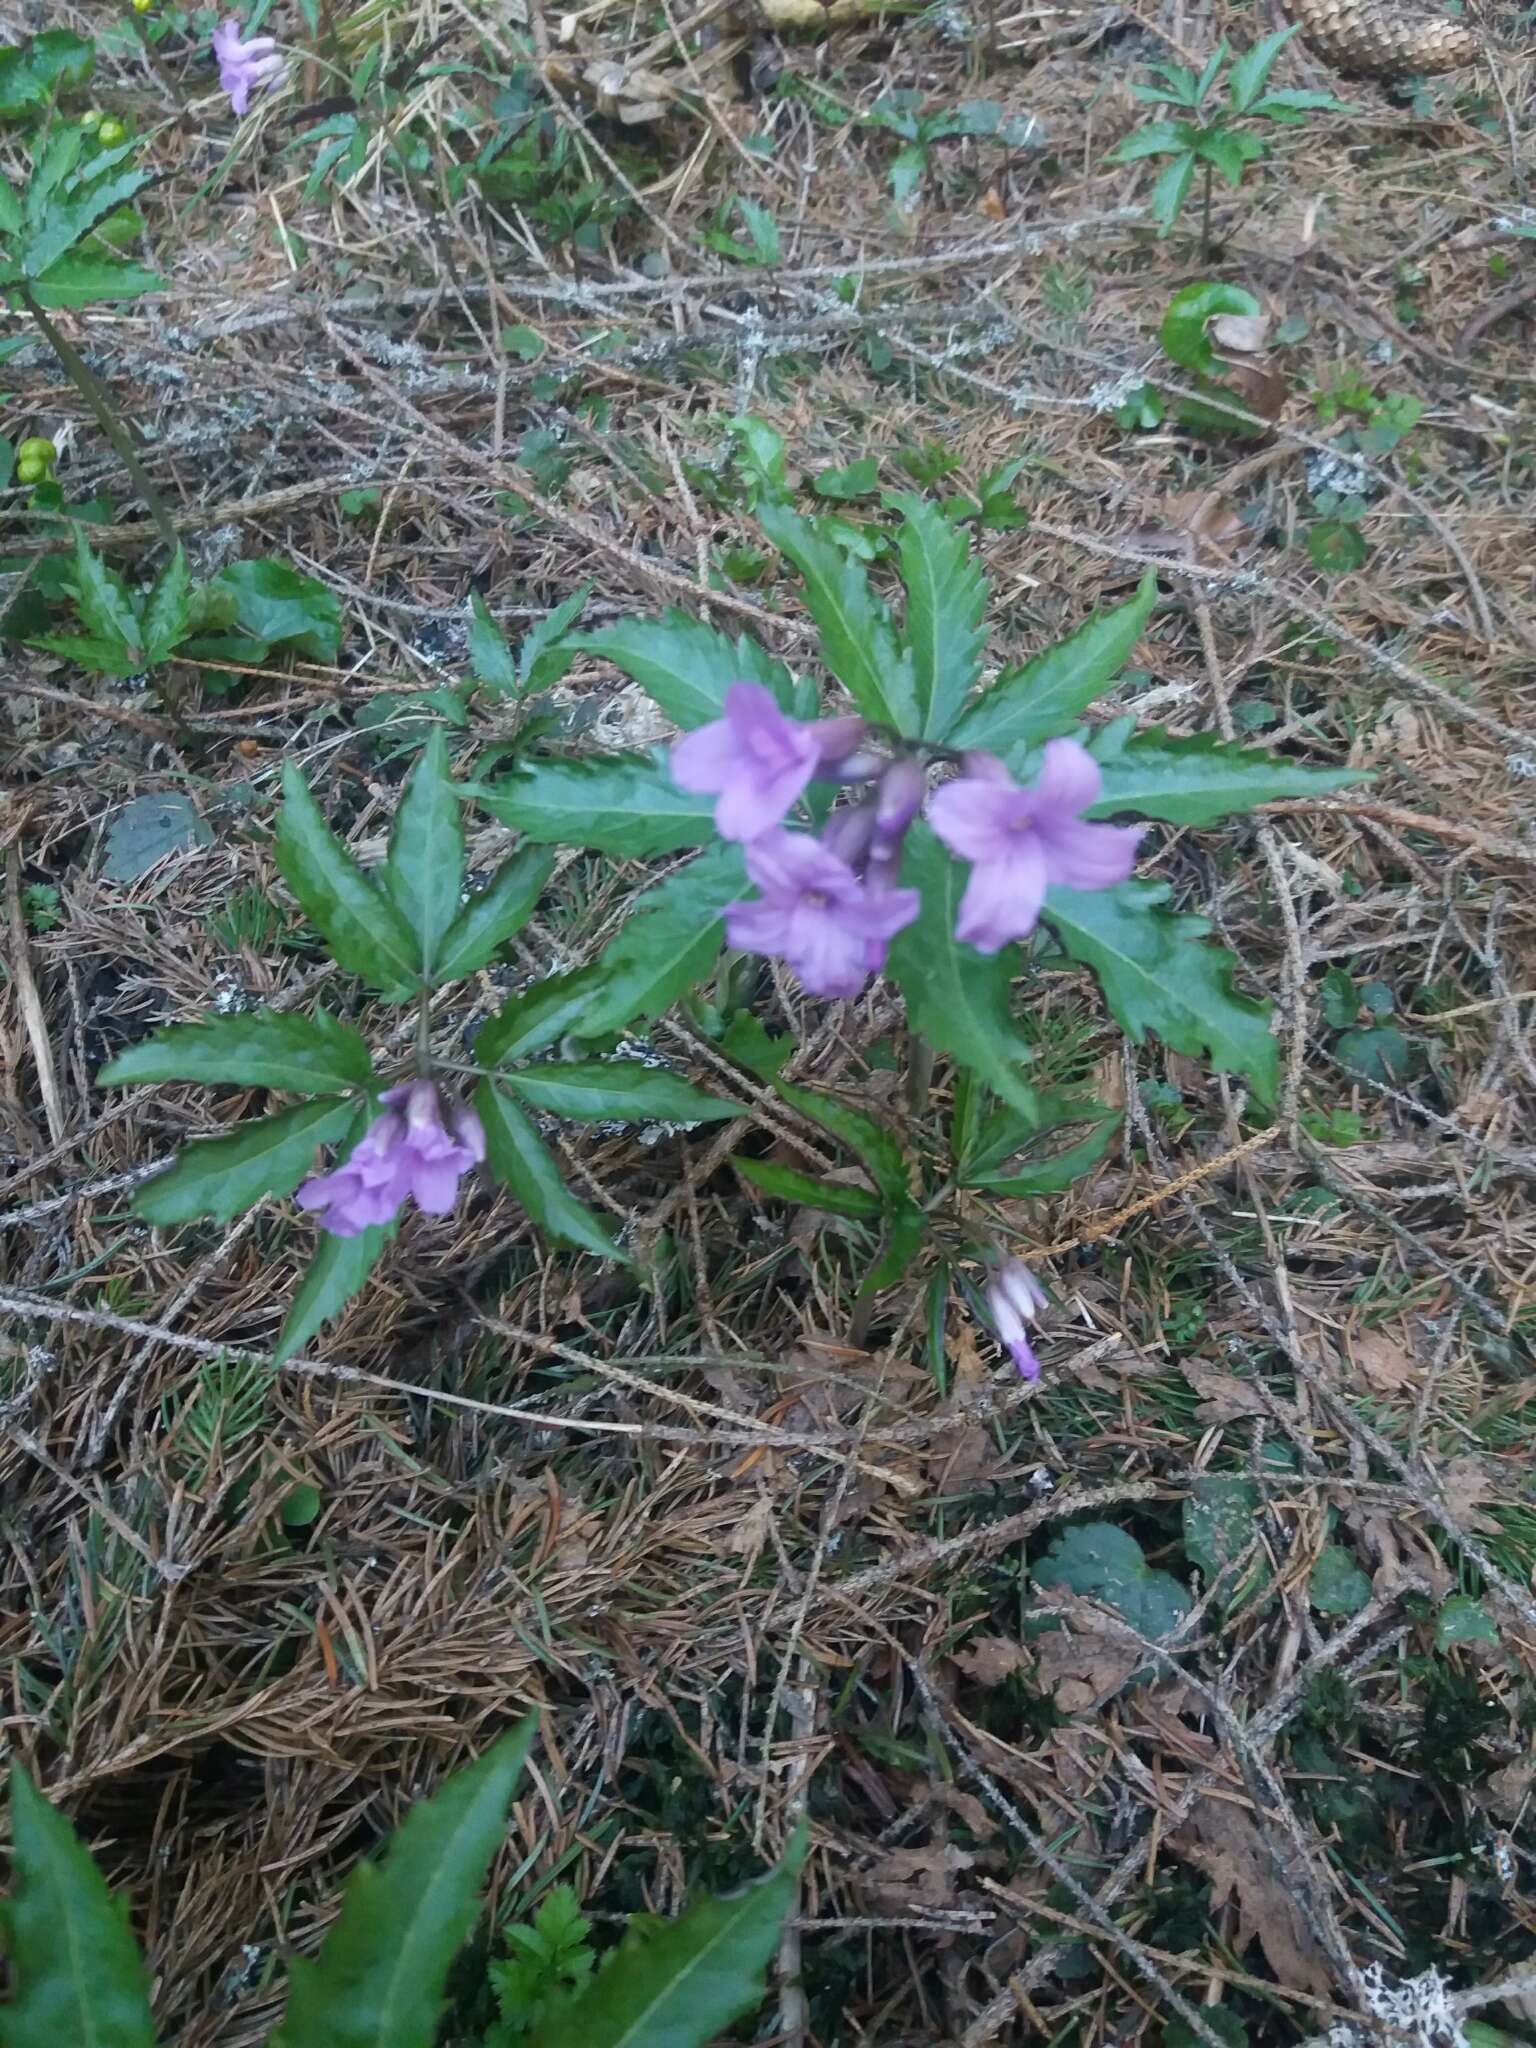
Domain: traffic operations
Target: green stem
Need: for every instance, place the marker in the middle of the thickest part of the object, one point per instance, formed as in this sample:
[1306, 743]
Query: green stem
[94, 392]
[424, 1034]
[1205, 220]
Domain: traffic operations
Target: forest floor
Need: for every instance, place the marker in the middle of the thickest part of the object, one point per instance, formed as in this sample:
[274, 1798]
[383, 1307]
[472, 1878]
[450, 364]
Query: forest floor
[752, 1557]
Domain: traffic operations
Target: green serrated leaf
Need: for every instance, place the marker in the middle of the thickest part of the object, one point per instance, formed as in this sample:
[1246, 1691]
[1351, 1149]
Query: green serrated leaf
[789, 1185]
[946, 604]
[623, 804]
[517, 1158]
[492, 916]
[666, 947]
[103, 602]
[1156, 978]
[1050, 1176]
[957, 998]
[490, 658]
[335, 1274]
[1105, 1563]
[220, 1177]
[680, 1984]
[424, 871]
[1198, 779]
[906, 1229]
[167, 609]
[686, 666]
[77, 1977]
[593, 1091]
[858, 640]
[1246, 79]
[365, 932]
[548, 648]
[1049, 693]
[879, 1149]
[257, 1049]
[379, 1979]
[1337, 1585]
[1170, 189]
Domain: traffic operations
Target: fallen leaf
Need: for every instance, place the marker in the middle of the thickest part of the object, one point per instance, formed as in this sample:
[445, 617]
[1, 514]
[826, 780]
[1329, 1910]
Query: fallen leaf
[988, 1660]
[919, 1876]
[1465, 1484]
[1223, 1840]
[1196, 525]
[1223, 1397]
[992, 205]
[1082, 1663]
[1244, 332]
[751, 1531]
[966, 1808]
[1383, 1361]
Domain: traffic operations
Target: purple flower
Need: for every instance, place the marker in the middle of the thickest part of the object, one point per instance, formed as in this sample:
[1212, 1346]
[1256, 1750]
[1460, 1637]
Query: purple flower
[1014, 1299]
[410, 1150]
[816, 913]
[898, 799]
[757, 761]
[243, 65]
[1022, 841]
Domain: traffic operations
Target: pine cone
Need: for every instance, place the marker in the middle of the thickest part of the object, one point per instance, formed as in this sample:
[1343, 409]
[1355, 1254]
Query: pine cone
[1369, 39]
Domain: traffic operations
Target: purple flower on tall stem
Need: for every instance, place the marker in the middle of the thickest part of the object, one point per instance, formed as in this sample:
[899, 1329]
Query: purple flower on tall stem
[757, 761]
[1022, 841]
[243, 65]
[414, 1149]
[1014, 1299]
[816, 912]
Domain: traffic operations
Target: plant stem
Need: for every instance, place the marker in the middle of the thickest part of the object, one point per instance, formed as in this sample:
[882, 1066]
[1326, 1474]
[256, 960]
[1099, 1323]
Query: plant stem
[919, 1073]
[1205, 220]
[424, 1033]
[94, 392]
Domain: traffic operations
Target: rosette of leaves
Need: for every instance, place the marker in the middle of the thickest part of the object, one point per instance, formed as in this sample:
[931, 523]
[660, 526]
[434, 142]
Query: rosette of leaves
[917, 673]
[405, 930]
[60, 233]
[381, 1977]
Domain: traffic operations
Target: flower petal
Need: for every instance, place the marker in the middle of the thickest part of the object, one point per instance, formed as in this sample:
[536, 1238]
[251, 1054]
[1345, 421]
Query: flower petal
[1080, 856]
[1068, 782]
[977, 817]
[1002, 899]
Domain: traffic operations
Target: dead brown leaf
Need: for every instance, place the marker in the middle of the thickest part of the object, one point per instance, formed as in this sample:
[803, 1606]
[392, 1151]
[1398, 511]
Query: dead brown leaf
[988, 1660]
[1224, 1841]
[750, 1533]
[1223, 1397]
[1383, 1361]
[1465, 1483]
[924, 1877]
[1243, 333]
[1082, 1663]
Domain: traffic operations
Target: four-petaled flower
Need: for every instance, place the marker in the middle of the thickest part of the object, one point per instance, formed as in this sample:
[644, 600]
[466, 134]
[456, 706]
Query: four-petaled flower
[815, 912]
[244, 65]
[757, 761]
[1022, 841]
[1014, 1299]
[412, 1149]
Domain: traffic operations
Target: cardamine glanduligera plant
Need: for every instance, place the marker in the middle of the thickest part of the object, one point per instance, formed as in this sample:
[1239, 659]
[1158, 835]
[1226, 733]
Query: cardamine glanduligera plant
[899, 815]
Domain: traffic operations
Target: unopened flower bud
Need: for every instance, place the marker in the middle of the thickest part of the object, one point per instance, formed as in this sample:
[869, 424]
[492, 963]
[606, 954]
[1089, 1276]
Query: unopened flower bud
[1014, 1299]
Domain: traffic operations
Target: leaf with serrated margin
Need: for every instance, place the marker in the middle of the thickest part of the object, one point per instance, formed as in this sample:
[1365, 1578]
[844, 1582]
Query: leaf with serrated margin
[686, 667]
[1051, 691]
[219, 1177]
[1198, 779]
[946, 603]
[626, 805]
[518, 1159]
[1158, 976]
[423, 872]
[365, 932]
[254, 1049]
[858, 640]
[493, 914]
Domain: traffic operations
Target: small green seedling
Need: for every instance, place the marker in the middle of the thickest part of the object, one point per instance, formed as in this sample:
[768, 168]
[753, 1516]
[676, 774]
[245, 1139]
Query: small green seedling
[1215, 141]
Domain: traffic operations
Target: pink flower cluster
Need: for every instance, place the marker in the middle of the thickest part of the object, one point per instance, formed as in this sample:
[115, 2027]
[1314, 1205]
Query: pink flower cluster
[830, 906]
[413, 1149]
[1014, 1300]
